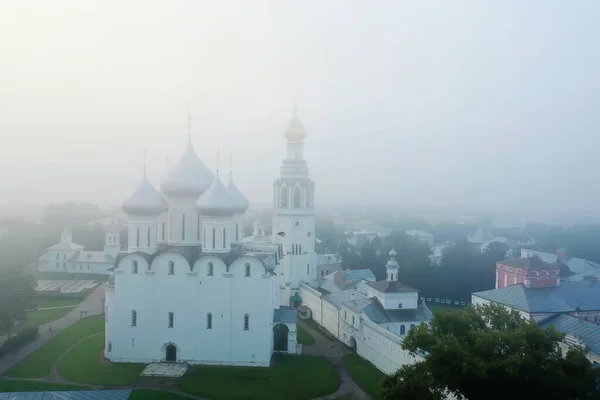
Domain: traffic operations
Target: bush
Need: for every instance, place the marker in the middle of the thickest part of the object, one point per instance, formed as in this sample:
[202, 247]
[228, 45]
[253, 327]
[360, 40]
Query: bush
[27, 335]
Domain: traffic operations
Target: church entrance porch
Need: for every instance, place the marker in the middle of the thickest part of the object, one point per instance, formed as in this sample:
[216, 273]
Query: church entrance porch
[280, 337]
[171, 353]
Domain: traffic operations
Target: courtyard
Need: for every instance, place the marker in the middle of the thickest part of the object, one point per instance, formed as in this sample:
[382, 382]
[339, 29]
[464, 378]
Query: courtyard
[73, 360]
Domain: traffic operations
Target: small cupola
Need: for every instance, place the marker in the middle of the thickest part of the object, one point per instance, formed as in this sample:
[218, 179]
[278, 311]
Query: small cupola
[295, 131]
[392, 268]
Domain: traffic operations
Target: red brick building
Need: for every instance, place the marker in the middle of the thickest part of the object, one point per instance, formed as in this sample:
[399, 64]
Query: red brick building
[529, 269]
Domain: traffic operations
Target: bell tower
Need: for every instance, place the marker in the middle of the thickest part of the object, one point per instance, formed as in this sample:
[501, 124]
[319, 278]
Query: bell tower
[294, 217]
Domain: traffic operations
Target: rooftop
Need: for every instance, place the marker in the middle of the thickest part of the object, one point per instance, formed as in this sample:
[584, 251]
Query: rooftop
[376, 313]
[391, 287]
[71, 395]
[285, 315]
[534, 262]
[91, 257]
[587, 332]
[556, 299]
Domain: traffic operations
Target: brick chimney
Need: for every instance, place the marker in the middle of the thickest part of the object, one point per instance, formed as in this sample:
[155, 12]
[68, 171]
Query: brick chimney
[561, 254]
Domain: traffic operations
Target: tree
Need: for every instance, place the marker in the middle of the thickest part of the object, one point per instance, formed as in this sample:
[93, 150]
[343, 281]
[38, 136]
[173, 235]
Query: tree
[17, 294]
[489, 352]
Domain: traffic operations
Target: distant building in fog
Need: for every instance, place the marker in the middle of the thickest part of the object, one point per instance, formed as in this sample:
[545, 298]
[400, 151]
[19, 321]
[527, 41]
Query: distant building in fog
[68, 256]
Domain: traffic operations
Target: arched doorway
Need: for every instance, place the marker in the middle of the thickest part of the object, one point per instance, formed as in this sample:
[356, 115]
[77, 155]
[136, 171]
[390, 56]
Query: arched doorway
[280, 337]
[171, 353]
[352, 343]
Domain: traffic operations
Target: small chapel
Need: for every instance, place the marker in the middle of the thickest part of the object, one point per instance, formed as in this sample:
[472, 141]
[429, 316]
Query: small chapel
[189, 288]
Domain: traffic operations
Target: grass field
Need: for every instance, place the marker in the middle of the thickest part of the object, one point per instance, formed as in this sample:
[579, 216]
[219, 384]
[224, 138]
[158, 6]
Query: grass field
[31, 386]
[38, 363]
[41, 317]
[61, 301]
[290, 378]
[86, 364]
[146, 394]
[304, 337]
[364, 374]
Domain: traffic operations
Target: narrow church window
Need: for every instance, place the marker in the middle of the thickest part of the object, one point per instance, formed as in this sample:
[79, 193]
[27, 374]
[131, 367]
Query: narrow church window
[399, 305]
[247, 269]
[148, 236]
[209, 321]
[299, 249]
[134, 267]
[402, 330]
[345, 315]
[163, 231]
[297, 198]
[133, 318]
[183, 227]
[246, 322]
[308, 234]
[412, 326]
[237, 232]
[171, 268]
[224, 235]
[210, 269]
[307, 269]
[307, 198]
[137, 240]
[353, 320]
[214, 235]
[204, 238]
[171, 318]
[198, 231]
[284, 197]
[109, 346]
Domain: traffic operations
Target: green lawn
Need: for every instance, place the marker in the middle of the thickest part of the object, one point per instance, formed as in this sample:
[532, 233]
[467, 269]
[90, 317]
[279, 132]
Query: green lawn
[46, 302]
[31, 386]
[364, 374]
[147, 394]
[41, 317]
[290, 378]
[304, 337]
[86, 364]
[38, 363]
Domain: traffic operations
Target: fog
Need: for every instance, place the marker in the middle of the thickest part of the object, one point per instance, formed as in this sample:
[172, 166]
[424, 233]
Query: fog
[437, 103]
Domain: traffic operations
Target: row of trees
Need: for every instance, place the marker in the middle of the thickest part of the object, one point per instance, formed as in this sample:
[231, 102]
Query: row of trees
[17, 295]
[464, 269]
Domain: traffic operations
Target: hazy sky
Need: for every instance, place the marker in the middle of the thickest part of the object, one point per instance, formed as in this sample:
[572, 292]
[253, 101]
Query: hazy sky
[483, 103]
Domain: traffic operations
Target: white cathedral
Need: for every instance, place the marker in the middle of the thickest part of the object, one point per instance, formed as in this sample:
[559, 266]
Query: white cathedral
[190, 289]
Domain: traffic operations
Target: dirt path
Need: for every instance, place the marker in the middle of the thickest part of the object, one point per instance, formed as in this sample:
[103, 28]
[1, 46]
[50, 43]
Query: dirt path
[92, 305]
[334, 351]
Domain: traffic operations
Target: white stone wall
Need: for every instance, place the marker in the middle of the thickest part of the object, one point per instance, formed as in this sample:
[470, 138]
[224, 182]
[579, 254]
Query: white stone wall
[391, 301]
[190, 296]
[331, 318]
[382, 349]
[178, 207]
[311, 298]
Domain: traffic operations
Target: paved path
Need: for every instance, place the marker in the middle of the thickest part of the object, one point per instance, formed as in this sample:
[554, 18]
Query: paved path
[92, 305]
[334, 351]
[54, 308]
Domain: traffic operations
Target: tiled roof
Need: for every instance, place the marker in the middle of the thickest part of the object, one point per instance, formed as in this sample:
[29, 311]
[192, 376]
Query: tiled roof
[376, 313]
[558, 299]
[587, 332]
[391, 287]
[71, 395]
[534, 262]
[286, 315]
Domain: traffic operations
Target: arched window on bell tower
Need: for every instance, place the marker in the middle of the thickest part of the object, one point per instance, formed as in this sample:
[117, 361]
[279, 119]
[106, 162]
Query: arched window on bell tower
[284, 197]
[308, 202]
[297, 198]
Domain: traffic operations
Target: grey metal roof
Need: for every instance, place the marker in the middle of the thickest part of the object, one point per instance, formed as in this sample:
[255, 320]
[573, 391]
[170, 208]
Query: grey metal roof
[82, 256]
[376, 313]
[194, 253]
[564, 298]
[587, 332]
[578, 266]
[534, 262]
[357, 274]
[391, 287]
[71, 395]
[339, 298]
[286, 315]
[66, 246]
